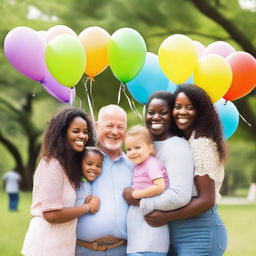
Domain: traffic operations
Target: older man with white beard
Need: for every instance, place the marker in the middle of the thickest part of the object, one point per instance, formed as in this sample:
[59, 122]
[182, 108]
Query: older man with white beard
[104, 233]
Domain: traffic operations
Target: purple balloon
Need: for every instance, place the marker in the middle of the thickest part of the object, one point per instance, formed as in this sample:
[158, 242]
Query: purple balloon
[25, 50]
[57, 90]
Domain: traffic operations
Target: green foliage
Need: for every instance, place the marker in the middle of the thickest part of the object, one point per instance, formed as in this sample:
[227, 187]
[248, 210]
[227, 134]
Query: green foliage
[240, 166]
[154, 20]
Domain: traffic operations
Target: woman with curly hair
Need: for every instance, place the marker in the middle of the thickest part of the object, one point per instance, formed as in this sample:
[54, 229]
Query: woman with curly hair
[197, 229]
[52, 229]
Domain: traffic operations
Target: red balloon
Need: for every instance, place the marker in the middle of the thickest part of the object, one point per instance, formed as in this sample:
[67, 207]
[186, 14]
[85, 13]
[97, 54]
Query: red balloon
[243, 67]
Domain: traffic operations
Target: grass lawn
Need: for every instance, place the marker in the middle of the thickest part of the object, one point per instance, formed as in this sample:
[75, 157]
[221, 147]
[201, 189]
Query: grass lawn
[240, 221]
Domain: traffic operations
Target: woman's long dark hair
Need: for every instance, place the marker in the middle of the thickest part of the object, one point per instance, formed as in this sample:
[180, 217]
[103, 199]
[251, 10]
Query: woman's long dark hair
[207, 123]
[55, 144]
[169, 99]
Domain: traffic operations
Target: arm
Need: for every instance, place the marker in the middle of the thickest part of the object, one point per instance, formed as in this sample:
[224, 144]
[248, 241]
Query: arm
[205, 200]
[157, 188]
[65, 214]
[92, 205]
[127, 195]
[178, 160]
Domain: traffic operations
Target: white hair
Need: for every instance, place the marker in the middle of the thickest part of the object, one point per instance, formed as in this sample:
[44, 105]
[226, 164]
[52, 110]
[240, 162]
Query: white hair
[112, 108]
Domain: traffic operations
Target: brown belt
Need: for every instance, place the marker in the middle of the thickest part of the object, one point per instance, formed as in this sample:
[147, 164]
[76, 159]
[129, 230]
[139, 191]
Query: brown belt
[102, 244]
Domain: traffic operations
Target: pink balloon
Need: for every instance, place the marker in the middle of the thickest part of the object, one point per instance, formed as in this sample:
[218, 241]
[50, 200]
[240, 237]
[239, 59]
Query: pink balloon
[219, 47]
[58, 30]
[200, 47]
[57, 90]
[25, 49]
[41, 33]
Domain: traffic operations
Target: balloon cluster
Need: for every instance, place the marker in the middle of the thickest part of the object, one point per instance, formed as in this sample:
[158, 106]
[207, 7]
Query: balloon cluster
[58, 58]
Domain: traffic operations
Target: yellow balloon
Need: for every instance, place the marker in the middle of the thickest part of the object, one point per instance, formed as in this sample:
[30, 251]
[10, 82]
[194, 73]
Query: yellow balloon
[214, 74]
[178, 58]
[95, 42]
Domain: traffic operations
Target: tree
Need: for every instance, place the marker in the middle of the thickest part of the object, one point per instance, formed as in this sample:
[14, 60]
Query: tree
[205, 21]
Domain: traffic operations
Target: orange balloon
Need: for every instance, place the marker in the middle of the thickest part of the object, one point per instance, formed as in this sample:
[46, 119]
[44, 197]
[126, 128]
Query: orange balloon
[243, 67]
[95, 41]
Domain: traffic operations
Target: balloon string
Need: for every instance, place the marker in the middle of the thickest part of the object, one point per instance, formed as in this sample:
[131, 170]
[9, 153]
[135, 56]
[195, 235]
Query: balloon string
[144, 111]
[90, 91]
[88, 98]
[131, 102]
[245, 120]
[80, 102]
[71, 100]
[119, 93]
[35, 90]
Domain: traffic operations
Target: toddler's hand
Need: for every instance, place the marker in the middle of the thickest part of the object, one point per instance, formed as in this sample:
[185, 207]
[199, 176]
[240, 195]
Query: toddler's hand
[93, 203]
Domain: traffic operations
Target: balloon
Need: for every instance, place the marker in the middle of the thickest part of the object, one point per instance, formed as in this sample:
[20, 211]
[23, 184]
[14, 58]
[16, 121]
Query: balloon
[126, 53]
[150, 79]
[95, 41]
[178, 58]
[229, 117]
[243, 66]
[219, 47]
[65, 59]
[58, 30]
[172, 86]
[214, 75]
[25, 50]
[199, 47]
[57, 90]
[41, 33]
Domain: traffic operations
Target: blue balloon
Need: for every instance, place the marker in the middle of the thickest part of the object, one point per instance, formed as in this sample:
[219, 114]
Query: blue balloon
[229, 117]
[150, 79]
[172, 86]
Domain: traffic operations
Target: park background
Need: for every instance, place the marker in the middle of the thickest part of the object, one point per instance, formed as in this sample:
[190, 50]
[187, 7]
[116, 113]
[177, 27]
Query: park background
[25, 107]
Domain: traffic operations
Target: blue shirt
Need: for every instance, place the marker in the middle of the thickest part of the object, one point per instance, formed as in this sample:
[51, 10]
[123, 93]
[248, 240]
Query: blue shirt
[108, 187]
[82, 192]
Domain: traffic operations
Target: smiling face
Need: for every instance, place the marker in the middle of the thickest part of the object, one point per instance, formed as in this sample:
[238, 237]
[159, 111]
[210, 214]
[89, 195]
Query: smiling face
[92, 165]
[137, 150]
[111, 129]
[158, 119]
[77, 134]
[184, 114]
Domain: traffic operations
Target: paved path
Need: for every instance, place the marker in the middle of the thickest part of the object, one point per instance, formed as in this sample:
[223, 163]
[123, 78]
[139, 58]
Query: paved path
[235, 200]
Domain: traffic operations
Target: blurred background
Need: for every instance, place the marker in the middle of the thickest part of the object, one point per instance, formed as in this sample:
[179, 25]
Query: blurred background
[25, 106]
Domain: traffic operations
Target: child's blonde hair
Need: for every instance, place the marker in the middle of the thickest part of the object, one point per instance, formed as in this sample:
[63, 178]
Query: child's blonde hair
[141, 131]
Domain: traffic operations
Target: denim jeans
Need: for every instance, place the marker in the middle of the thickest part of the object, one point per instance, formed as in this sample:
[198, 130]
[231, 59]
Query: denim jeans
[118, 251]
[202, 235]
[13, 201]
[147, 254]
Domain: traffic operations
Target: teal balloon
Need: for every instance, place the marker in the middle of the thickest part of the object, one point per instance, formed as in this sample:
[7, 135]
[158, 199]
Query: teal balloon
[229, 117]
[126, 53]
[172, 86]
[150, 79]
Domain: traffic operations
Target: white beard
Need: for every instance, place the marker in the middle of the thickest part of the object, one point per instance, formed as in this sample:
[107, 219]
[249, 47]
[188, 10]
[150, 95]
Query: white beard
[112, 146]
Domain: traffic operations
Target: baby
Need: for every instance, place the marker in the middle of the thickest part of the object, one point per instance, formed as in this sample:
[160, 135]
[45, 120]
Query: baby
[149, 179]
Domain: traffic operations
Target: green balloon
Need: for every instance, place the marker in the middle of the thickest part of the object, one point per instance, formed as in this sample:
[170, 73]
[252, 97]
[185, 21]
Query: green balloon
[126, 53]
[65, 59]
